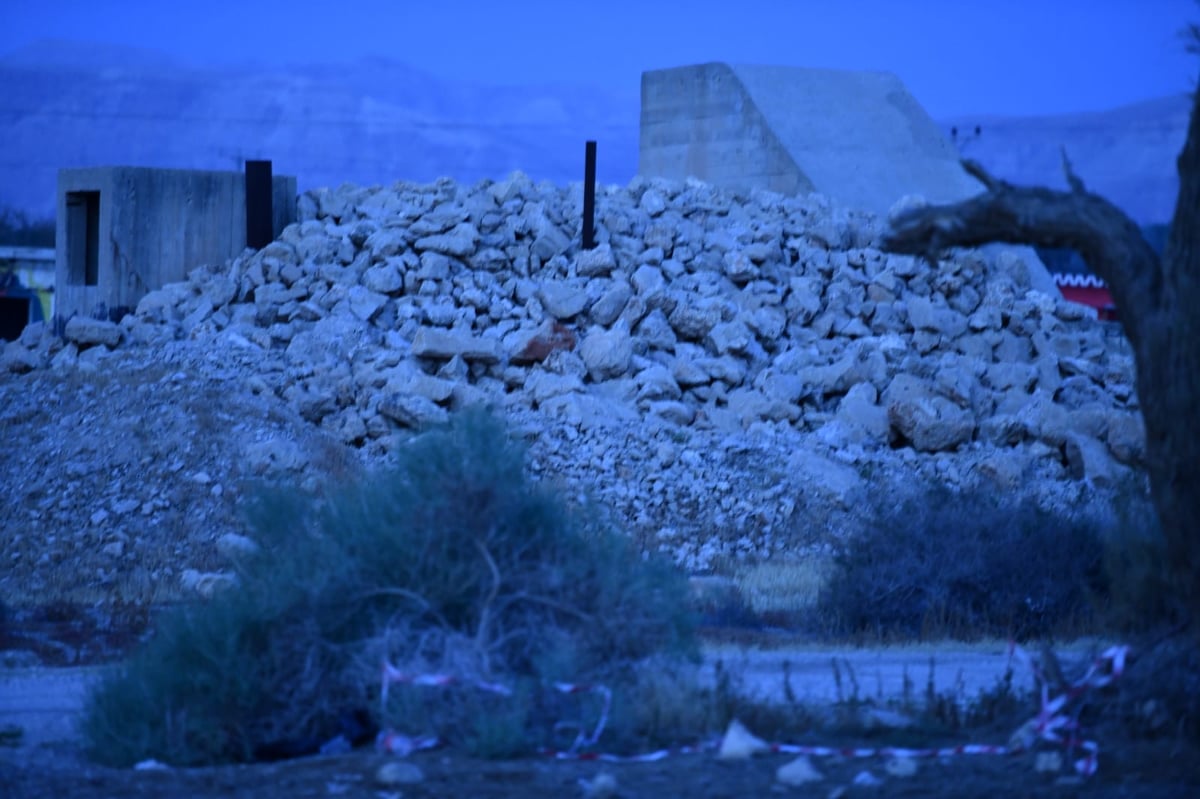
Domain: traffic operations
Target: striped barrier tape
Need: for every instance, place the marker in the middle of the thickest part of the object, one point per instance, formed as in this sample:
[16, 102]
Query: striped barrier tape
[391, 675]
[390, 741]
[1053, 723]
[582, 740]
[791, 749]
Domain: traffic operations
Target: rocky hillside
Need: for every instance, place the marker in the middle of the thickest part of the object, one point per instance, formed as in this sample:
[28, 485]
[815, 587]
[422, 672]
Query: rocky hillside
[1126, 154]
[76, 104]
[69, 104]
[736, 377]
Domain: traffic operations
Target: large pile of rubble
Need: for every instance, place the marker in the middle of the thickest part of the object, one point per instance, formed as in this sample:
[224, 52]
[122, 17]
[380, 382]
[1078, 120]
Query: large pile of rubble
[731, 374]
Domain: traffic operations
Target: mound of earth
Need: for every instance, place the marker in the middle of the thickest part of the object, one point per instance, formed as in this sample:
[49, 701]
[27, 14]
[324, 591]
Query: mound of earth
[733, 375]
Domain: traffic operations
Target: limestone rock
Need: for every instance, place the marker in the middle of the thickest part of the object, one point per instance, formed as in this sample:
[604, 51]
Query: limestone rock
[85, 331]
[902, 767]
[861, 414]
[597, 261]
[233, 546]
[607, 353]
[412, 410]
[431, 342]
[931, 424]
[542, 386]
[398, 772]
[656, 383]
[798, 772]
[206, 584]
[602, 786]
[364, 303]
[1126, 436]
[1088, 459]
[274, 455]
[822, 476]
[610, 305]
[19, 360]
[730, 337]
[534, 346]
[561, 300]
[760, 339]
[386, 278]
[459, 242]
[739, 743]
[548, 240]
[693, 319]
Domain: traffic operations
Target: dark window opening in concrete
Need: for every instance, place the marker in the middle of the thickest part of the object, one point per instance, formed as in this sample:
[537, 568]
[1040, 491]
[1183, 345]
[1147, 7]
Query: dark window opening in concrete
[83, 238]
[14, 315]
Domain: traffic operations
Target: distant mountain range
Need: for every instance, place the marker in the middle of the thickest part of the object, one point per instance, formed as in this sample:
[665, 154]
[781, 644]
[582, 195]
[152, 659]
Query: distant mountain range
[375, 121]
[1127, 154]
[70, 104]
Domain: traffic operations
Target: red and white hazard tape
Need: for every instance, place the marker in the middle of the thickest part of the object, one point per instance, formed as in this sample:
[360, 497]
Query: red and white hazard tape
[394, 743]
[390, 741]
[1053, 719]
[1050, 724]
[582, 740]
[792, 749]
[391, 674]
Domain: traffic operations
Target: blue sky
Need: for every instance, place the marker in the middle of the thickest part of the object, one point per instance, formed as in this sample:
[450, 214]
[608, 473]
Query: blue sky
[956, 56]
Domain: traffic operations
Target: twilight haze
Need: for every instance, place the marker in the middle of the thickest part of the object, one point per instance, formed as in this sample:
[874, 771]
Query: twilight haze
[1017, 57]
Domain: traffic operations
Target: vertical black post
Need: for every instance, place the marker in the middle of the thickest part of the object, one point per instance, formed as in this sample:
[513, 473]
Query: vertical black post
[260, 227]
[589, 196]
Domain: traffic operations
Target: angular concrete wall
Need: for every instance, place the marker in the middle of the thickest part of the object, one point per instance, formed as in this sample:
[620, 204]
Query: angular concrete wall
[858, 137]
[151, 227]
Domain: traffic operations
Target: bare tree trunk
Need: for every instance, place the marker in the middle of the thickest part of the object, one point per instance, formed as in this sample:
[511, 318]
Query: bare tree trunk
[1158, 301]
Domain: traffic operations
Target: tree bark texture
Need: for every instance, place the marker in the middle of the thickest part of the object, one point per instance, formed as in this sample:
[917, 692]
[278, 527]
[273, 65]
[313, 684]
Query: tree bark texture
[1158, 301]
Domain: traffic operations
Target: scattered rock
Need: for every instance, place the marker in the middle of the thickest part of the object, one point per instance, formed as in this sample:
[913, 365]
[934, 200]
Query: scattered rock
[739, 743]
[798, 772]
[602, 786]
[206, 584]
[1048, 763]
[445, 344]
[398, 772]
[902, 767]
[562, 300]
[235, 547]
[85, 331]
[866, 779]
[799, 364]
[412, 410]
[606, 353]
[536, 346]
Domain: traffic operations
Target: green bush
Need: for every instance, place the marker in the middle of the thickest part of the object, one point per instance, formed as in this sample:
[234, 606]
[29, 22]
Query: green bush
[965, 564]
[450, 562]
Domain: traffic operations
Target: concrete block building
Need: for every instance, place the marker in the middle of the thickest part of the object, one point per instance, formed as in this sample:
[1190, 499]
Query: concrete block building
[125, 231]
[858, 137]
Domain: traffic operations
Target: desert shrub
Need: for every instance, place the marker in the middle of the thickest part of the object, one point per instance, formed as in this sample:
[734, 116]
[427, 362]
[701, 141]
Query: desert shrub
[451, 562]
[1159, 695]
[968, 564]
[1140, 595]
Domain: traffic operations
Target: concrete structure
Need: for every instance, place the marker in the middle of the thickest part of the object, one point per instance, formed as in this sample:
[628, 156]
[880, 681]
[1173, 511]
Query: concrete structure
[124, 231]
[858, 137]
[26, 288]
